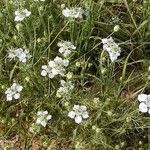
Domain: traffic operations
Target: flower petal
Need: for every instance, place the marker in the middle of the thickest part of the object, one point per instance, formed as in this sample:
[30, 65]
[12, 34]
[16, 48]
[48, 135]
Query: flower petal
[43, 123]
[17, 96]
[44, 67]
[19, 88]
[142, 97]
[76, 107]
[78, 119]
[9, 97]
[149, 111]
[49, 117]
[43, 73]
[143, 107]
[71, 114]
[39, 113]
[85, 115]
[45, 112]
[83, 108]
[38, 121]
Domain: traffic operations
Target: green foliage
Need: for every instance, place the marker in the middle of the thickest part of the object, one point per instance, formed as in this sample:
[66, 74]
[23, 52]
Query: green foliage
[108, 90]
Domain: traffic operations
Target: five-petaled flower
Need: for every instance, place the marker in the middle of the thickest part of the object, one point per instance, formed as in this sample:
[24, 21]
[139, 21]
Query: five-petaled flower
[144, 105]
[22, 55]
[76, 12]
[65, 90]
[43, 118]
[13, 92]
[112, 48]
[55, 67]
[21, 14]
[66, 48]
[79, 112]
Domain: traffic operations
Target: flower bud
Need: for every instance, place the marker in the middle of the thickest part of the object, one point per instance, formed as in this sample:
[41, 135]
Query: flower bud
[69, 75]
[103, 71]
[97, 130]
[94, 127]
[15, 37]
[116, 28]
[19, 26]
[62, 6]
[78, 64]
[27, 79]
[109, 113]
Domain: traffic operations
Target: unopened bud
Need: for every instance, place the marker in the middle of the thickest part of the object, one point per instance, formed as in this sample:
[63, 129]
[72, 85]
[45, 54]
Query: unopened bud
[116, 28]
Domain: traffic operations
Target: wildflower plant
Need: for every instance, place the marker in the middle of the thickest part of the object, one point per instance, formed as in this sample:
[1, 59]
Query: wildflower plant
[112, 48]
[65, 90]
[56, 52]
[21, 14]
[13, 92]
[55, 67]
[66, 48]
[79, 113]
[43, 117]
[76, 12]
[22, 55]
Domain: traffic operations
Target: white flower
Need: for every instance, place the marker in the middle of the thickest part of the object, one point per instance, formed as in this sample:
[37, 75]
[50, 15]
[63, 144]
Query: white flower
[66, 48]
[21, 14]
[55, 67]
[144, 105]
[13, 92]
[79, 112]
[23, 56]
[43, 118]
[65, 89]
[76, 12]
[112, 48]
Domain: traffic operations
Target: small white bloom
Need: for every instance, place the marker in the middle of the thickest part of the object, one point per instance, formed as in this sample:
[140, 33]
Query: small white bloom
[65, 90]
[11, 53]
[66, 48]
[55, 67]
[13, 92]
[21, 14]
[22, 55]
[76, 12]
[112, 48]
[144, 106]
[43, 118]
[79, 112]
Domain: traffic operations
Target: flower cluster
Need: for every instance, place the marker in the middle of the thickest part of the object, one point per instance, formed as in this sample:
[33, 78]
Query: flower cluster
[76, 12]
[23, 55]
[55, 67]
[66, 48]
[79, 112]
[112, 48]
[43, 118]
[144, 100]
[65, 89]
[21, 14]
[13, 92]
